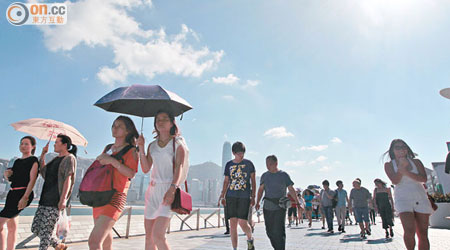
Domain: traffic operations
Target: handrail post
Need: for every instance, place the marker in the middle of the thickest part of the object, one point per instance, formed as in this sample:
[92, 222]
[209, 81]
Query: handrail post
[218, 218]
[198, 219]
[128, 222]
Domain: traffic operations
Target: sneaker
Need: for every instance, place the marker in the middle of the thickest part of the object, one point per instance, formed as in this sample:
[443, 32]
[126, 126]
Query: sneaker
[340, 228]
[391, 232]
[289, 225]
[368, 232]
[226, 232]
[387, 235]
[323, 227]
[250, 245]
[343, 231]
[331, 231]
[309, 224]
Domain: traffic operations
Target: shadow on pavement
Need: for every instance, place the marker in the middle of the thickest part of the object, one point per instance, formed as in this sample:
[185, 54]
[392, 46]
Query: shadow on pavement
[315, 229]
[351, 235]
[323, 234]
[379, 241]
[346, 240]
[209, 236]
[350, 238]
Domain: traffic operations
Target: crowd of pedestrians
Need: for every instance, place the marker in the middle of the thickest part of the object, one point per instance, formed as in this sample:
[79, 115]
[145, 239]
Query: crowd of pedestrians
[280, 198]
[166, 158]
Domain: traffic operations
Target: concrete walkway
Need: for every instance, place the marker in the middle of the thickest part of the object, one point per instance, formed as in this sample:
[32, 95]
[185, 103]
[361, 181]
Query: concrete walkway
[300, 237]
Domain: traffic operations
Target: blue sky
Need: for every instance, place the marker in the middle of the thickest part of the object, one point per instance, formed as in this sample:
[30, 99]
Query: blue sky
[324, 85]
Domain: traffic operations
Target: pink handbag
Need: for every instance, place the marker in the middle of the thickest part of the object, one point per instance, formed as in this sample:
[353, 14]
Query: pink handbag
[182, 203]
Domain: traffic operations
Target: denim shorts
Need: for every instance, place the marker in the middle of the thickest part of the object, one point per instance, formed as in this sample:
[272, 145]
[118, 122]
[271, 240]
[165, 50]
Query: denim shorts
[361, 214]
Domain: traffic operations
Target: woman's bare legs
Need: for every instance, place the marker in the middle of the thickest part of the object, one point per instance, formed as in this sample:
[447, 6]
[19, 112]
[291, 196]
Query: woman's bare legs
[159, 233]
[101, 238]
[409, 229]
[422, 230]
[149, 244]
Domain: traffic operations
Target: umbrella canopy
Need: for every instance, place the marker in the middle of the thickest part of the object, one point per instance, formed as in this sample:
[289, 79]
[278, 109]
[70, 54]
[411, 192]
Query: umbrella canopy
[445, 93]
[143, 101]
[46, 129]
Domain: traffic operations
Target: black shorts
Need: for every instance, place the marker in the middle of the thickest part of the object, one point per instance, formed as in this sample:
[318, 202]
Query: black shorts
[292, 210]
[237, 207]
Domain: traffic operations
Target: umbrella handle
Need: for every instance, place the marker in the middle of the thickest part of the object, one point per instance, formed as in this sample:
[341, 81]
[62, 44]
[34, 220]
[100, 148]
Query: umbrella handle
[142, 128]
[53, 131]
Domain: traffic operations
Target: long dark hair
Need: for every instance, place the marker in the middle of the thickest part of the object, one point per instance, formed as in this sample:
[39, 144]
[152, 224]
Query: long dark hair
[377, 180]
[131, 129]
[391, 154]
[308, 192]
[70, 147]
[174, 129]
[33, 142]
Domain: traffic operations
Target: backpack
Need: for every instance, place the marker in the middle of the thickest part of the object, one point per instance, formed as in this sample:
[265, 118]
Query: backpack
[97, 187]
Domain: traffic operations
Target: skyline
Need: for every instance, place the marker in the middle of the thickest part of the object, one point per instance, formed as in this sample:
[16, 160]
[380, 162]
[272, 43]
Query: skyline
[325, 86]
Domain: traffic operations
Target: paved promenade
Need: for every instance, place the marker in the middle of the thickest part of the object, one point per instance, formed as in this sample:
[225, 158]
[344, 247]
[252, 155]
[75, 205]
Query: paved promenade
[300, 237]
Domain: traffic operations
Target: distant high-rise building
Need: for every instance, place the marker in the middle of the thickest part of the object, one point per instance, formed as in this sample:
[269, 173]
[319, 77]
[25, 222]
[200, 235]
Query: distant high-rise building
[226, 154]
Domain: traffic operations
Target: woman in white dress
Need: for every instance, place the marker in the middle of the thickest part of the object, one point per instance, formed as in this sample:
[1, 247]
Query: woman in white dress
[164, 178]
[410, 198]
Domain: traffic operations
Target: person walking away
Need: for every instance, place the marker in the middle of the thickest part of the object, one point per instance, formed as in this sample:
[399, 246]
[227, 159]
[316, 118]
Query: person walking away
[326, 197]
[22, 176]
[372, 213]
[292, 211]
[358, 203]
[410, 198]
[341, 206]
[59, 176]
[239, 186]
[300, 206]
[273, 185]
[308, 196]
[384, 204]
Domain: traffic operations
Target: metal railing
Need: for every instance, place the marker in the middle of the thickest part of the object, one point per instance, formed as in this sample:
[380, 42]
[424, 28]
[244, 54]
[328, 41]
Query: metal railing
[187, 223]
[126, 211]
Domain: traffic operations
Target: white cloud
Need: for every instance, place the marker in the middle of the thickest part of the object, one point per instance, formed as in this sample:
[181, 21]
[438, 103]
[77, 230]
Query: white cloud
[336, 140]
[295, 163]
[314, 148]
[318, 159]
[228, 97]
[230, 79]
[321, 158]
[325, 169]
[251, 83]
[278, 132]
[137, 52]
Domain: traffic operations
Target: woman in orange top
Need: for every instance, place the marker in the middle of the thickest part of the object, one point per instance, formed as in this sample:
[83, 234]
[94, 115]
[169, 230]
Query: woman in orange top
[125, 133]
